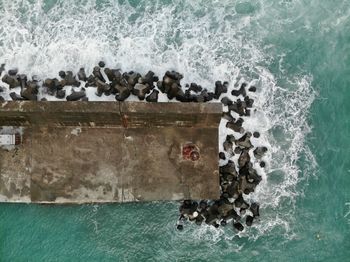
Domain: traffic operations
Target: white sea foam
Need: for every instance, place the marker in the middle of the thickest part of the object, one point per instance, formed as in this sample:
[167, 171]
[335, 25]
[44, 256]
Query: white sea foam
[205, 41]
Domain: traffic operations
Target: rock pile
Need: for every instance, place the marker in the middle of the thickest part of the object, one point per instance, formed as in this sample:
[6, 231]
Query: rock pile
[108, 82]
[238, 178]
[237, 175]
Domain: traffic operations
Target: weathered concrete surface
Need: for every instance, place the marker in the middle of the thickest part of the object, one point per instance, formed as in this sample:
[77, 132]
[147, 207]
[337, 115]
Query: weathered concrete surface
[128, 152]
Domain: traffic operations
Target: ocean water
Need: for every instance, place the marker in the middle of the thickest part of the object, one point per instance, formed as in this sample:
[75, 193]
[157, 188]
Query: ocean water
[296, 52]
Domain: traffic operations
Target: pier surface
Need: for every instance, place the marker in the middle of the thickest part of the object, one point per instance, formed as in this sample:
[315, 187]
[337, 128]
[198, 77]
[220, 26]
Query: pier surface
[83, 152]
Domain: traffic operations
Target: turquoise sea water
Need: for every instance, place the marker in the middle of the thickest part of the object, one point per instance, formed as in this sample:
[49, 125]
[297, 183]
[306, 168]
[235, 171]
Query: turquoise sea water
[297, 53]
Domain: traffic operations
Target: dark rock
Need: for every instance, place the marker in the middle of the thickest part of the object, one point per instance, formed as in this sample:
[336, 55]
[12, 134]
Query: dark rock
[244, 141]
[262, 164]
[259, 152]
[229, 168]
[240, 203]
[102, 87]
[244, 158]
[226, 101]
[43, 99]
[238, 150]
[148, 79]
[222, 155]
[76, 95]
[245, 186]
[241, 90]
[82, 75]
[228, 147]
[30, 93]
[153, 97]
[23, 80]
[203, 204]
[181, 96]
[11, 81]
[248, 102]
[70, 79]
[199, 219]
[232, 214]
[62, 74]
[85, 99]
[203, 97]
[256, 134]
[174, 75]
[249, 220]
[90, 81]
[179, 227]
[2, 99]
[228, 116]
[140, 90]
[123, 92]
[195, 88]
[97, 74]
[114, 75]
[61, 94]
[232, 189]
[239, 107]
[223, 222]
[254, 208]
[2, 89]
[252, 175]
[16, 97]
[219, 89]
[13, 72]
[173, 90]
[252, 89]
[238, 226]
[101, 64]
[188, 207]
[132, 79]
[50, 85]
[236, 126]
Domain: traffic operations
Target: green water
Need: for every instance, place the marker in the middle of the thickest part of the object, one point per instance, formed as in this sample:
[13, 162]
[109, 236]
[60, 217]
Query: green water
[294, 40]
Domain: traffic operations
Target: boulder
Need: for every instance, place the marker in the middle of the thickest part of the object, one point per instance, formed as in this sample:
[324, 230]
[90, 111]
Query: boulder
[70, 79]
[123, 92]
[82, 75]
[97, 74]
[240, 91]
[13, 72]
[244, 158]
[11, 81]
[249, 220]
[244, 141]
[140, 90]
[259, 152]
[76, 95]
[153, 97]
[238, 226]
[61, 94]
[228, 116]
[254, 208]
[220, 89]
[102, 87]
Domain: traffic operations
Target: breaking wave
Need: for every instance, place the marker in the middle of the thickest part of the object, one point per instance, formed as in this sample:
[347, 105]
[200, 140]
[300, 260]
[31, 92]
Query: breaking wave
[205, 41]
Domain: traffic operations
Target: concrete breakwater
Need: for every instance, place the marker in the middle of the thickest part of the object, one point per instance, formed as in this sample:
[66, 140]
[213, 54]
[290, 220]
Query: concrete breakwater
[240, 159]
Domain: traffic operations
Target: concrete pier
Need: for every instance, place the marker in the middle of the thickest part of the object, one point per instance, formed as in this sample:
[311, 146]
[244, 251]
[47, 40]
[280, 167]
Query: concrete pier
[83, 152]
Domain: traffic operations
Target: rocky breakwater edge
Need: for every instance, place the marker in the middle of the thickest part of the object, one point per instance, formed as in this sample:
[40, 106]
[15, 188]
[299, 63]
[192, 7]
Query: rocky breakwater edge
[240, 154]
